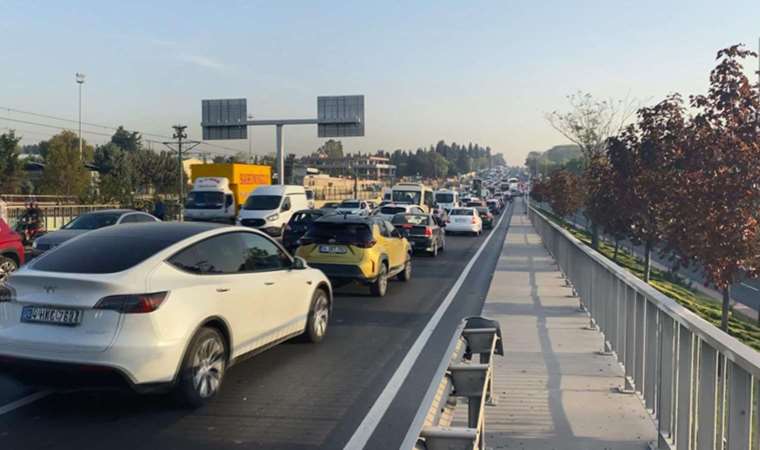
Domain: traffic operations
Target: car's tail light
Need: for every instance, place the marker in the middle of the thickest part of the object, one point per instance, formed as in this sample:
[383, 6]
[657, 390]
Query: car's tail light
[474, 220]
[133, 303]
[428, 231]
[7, 294]
[407, 226]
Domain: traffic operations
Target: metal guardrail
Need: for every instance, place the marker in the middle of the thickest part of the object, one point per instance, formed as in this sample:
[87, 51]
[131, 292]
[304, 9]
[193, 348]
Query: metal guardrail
[459, 377]
[700, 385]
[56, 216]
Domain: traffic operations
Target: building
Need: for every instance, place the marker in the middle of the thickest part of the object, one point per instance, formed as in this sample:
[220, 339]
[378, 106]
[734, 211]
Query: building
[370, 167]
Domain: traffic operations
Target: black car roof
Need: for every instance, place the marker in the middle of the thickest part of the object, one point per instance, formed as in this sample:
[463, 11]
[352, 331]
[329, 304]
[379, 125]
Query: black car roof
[163, 231]
[348, 218]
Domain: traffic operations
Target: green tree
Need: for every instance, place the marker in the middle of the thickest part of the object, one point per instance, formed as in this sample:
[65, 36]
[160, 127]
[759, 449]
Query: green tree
[65, 173]
[117, 182]
[332, 148]
[10, 166]
[129, 141]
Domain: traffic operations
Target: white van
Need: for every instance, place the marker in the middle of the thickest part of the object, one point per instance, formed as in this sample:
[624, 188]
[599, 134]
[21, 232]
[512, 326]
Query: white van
[269, 208]
[447, 199]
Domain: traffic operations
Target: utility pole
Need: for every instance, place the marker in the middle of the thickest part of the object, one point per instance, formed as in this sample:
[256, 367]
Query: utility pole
[250, 146]
[80, 81]
[180, 135]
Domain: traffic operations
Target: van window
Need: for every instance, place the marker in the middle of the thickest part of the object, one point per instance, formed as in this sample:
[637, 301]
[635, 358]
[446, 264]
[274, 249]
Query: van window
[429, 198]
[262, 202]
[410, 197]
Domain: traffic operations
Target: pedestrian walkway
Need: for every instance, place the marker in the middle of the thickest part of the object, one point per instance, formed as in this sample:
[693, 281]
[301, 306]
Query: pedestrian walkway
[553, 390]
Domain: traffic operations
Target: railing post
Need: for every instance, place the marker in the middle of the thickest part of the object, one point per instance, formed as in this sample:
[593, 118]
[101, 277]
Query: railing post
[706, 398]
[685, 388]
[665, 386]
[739, 407]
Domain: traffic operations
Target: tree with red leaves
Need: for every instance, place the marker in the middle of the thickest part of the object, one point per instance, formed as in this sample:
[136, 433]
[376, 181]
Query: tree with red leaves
[713, 207]
[564, 192]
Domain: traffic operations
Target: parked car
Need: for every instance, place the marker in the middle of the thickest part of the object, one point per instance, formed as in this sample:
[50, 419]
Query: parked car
[269, 208]
[298, 225]
[11, 251]
[88, 222]
[387, 212]
[464, 220]
[423, 231]
[355, 248]
[164, 305]
[354, 207]
[486, 217]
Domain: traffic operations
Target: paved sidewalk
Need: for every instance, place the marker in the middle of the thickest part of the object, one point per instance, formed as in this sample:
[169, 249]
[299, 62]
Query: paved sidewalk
[553, 390]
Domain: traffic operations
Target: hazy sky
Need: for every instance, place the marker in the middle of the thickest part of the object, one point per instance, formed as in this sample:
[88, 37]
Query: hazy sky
[464, 71]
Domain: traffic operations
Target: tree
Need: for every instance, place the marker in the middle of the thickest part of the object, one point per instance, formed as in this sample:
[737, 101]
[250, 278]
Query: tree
[10, 166]
[564, 193]
[332, 148]
[713, 204]
[589, 124]
[604, 198]
[65, 173]
[129, 141]
[117, 183]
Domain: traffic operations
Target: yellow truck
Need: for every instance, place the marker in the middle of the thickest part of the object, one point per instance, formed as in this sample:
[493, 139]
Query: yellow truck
[219, 190]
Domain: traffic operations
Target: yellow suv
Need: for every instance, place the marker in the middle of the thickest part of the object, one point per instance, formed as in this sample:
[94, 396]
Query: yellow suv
[353, 248]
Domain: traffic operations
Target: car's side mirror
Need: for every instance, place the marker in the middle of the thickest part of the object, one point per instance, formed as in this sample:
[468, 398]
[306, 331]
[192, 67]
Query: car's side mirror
[299, 263]
[285, 207]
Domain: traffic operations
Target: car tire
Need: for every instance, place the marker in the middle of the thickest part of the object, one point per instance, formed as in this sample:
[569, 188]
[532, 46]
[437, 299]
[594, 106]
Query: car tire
[203, 368]
[7, 265]
[380, 286]
[319, 317]
[406, 274]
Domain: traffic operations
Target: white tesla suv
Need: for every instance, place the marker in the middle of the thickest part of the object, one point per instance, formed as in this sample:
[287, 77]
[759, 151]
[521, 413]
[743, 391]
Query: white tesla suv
[169, 305]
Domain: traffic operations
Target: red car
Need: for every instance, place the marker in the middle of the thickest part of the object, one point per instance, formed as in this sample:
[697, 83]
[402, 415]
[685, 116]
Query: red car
[11, 251]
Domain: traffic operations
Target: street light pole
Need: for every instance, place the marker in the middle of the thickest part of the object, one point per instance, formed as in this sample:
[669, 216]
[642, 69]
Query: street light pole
[80, 82]
[250, 148]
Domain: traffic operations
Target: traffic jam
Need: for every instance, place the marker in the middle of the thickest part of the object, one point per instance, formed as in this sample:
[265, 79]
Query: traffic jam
[169, 306]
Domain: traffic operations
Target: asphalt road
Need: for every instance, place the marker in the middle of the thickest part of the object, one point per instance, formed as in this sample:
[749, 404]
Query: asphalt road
[295, 396]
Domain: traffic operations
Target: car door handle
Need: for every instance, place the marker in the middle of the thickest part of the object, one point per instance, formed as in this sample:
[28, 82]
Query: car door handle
[222, 289]
[268, 283]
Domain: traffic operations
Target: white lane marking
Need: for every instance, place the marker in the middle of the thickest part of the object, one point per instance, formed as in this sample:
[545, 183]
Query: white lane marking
[750, 287]
[374, 416]
[31, 398]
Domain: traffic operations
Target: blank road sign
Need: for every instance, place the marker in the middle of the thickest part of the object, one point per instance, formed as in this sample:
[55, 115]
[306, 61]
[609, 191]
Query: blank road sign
[340, 116]
[224, 119]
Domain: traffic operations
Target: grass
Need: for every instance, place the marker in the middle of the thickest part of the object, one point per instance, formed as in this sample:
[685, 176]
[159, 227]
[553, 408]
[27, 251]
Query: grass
[671, 285]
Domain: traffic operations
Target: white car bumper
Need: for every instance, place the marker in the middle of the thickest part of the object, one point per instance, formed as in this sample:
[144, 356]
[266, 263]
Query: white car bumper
[468, 227]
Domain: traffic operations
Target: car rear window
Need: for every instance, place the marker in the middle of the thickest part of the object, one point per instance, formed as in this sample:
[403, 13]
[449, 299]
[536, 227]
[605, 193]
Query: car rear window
[352, 205]
[392, 209]
[460, 212]
[98, 254]
[414, 219]
[338, 233]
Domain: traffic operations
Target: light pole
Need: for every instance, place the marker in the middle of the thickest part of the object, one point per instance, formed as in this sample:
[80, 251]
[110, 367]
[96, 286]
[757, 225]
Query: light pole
[250, 148]
[80, 82]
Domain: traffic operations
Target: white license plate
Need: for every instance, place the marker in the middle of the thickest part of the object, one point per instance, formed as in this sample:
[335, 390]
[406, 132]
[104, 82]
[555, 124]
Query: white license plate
[54, 316]
[461, 220]
[337, 249]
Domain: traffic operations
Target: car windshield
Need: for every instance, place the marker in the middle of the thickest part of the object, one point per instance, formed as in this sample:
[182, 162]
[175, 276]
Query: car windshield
[331, 205]
[302, 218]
[204, 200]
[392, 210]
[262, 202]
[351, 205]
[93, 221]
[444, 198]
[460, 212]
[410, 197]
[414, 219]
[339, 233]
[96, 254]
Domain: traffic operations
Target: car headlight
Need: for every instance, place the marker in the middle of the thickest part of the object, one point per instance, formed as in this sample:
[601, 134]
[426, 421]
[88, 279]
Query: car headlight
[273, 217]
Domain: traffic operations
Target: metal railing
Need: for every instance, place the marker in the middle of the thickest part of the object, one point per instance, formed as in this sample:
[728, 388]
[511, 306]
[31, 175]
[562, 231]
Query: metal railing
[55, 216]
[457, 376]
[699, 384]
